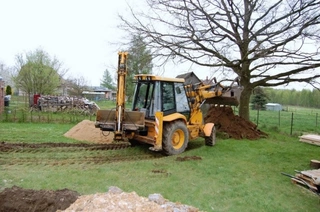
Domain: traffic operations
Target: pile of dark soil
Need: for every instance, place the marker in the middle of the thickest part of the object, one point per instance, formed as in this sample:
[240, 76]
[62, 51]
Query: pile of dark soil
[19, 199]
[232, 125]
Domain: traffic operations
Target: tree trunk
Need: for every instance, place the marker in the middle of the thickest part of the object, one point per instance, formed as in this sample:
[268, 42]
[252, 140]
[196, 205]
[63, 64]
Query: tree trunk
[244, 103]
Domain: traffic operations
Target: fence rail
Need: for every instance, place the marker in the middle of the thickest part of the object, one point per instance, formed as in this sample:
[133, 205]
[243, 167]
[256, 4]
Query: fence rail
[30, 116]
[294, 121]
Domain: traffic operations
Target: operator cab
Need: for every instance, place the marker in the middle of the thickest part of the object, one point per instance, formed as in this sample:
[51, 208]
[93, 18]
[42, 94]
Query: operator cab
[160, 94]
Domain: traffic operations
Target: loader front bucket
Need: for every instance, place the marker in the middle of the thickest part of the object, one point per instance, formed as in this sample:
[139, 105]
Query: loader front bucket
[229, 96]
[220, 100]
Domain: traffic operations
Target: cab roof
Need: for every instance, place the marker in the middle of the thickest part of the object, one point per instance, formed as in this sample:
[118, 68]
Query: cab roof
[150, 77]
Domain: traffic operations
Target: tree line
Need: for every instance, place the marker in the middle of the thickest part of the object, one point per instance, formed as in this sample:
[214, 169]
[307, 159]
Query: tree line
[303, 98]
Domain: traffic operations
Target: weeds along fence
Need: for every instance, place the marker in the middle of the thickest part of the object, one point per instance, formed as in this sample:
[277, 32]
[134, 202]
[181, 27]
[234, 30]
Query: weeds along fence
[30, 116]
[292, 120]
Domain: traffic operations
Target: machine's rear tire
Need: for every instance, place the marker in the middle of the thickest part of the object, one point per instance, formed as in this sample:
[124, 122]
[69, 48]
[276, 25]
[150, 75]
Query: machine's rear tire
[211, 140]
[175, 138]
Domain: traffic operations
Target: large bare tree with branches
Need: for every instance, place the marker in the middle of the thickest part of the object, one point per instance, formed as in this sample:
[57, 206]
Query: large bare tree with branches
[265, 43]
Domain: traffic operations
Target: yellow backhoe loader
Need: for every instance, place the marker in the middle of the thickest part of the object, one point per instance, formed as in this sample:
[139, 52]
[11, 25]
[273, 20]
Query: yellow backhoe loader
[166, 112]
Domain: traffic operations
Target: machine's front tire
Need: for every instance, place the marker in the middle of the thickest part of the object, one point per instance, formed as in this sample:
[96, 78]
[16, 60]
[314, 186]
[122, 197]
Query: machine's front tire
[211, 140]
[175, 138]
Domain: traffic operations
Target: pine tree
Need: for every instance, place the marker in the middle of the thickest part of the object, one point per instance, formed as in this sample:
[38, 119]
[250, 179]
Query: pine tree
[139, 62]
[259, 99]
[107, 81]
[8, 90]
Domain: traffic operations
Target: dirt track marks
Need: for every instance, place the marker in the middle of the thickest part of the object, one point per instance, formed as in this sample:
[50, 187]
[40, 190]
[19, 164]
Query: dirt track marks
[59, 154]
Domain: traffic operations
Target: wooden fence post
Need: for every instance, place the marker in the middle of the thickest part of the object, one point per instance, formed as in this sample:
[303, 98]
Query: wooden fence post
[258, 117]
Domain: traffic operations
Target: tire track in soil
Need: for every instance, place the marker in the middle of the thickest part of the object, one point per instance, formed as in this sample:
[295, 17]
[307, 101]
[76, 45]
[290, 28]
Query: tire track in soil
[59, 154]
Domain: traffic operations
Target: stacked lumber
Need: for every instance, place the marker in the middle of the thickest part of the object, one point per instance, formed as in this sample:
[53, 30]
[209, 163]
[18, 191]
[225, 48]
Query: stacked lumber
[309, 179]
[65, 103]
[311, 139]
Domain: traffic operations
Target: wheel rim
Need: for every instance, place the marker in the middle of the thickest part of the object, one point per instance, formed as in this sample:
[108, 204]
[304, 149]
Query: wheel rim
[178, 138]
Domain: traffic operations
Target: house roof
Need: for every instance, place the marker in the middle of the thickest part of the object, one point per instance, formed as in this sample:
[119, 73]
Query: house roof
[101, 89]
[190, 78]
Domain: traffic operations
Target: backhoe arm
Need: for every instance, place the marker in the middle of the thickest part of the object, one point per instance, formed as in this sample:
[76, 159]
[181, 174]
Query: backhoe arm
[121, 93]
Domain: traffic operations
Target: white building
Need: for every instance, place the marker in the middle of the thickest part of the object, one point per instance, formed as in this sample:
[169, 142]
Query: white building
[274, 106]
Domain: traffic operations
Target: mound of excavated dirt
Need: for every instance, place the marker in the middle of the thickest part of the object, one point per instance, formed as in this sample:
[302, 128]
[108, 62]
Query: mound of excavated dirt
[19, 199]
[86, 131]
[232, 125]
[115, 200]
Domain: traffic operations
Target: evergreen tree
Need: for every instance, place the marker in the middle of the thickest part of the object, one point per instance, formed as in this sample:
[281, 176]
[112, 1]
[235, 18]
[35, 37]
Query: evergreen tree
[8, 90]
[140, 62]
[107, 81]
[259, 99]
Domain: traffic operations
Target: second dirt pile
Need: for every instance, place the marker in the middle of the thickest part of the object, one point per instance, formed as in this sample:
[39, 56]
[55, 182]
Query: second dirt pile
[233, 126]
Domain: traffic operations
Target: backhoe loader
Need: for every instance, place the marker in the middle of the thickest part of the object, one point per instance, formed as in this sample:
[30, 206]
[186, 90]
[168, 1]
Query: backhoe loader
[166, 112]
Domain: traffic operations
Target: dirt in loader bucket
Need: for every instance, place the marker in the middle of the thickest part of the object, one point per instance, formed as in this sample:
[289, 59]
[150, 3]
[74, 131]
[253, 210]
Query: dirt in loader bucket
[231, 125]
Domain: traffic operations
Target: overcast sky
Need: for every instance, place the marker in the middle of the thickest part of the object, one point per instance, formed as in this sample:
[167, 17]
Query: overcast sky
[77, 32]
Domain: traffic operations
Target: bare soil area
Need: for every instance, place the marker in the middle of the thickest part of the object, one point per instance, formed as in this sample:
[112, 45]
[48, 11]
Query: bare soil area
[17, 199]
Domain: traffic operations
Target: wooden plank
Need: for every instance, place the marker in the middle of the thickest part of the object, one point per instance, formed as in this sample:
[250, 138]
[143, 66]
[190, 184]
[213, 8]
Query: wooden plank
[311, 139]
[306, 179]
[300, 182]
[314, 175]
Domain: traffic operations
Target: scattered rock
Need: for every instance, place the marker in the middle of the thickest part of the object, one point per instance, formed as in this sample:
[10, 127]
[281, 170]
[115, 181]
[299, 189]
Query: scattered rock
[115, 200]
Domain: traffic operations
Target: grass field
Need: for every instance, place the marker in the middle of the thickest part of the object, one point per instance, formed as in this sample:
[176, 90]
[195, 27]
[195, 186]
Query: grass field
[234, 175]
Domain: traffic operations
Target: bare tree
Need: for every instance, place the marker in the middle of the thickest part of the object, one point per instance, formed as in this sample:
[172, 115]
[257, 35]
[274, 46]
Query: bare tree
[265, 43]
[6, 73]
[76, 86]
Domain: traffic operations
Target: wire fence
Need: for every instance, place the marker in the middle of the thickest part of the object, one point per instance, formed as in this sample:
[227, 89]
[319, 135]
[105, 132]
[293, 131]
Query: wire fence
[292, 120]
[31, 116]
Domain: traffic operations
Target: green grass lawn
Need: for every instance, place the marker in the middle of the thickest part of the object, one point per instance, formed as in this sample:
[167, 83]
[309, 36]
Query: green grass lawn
[234, 175]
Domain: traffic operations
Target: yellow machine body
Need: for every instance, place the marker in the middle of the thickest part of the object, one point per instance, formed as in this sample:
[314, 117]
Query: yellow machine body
[166, 112]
